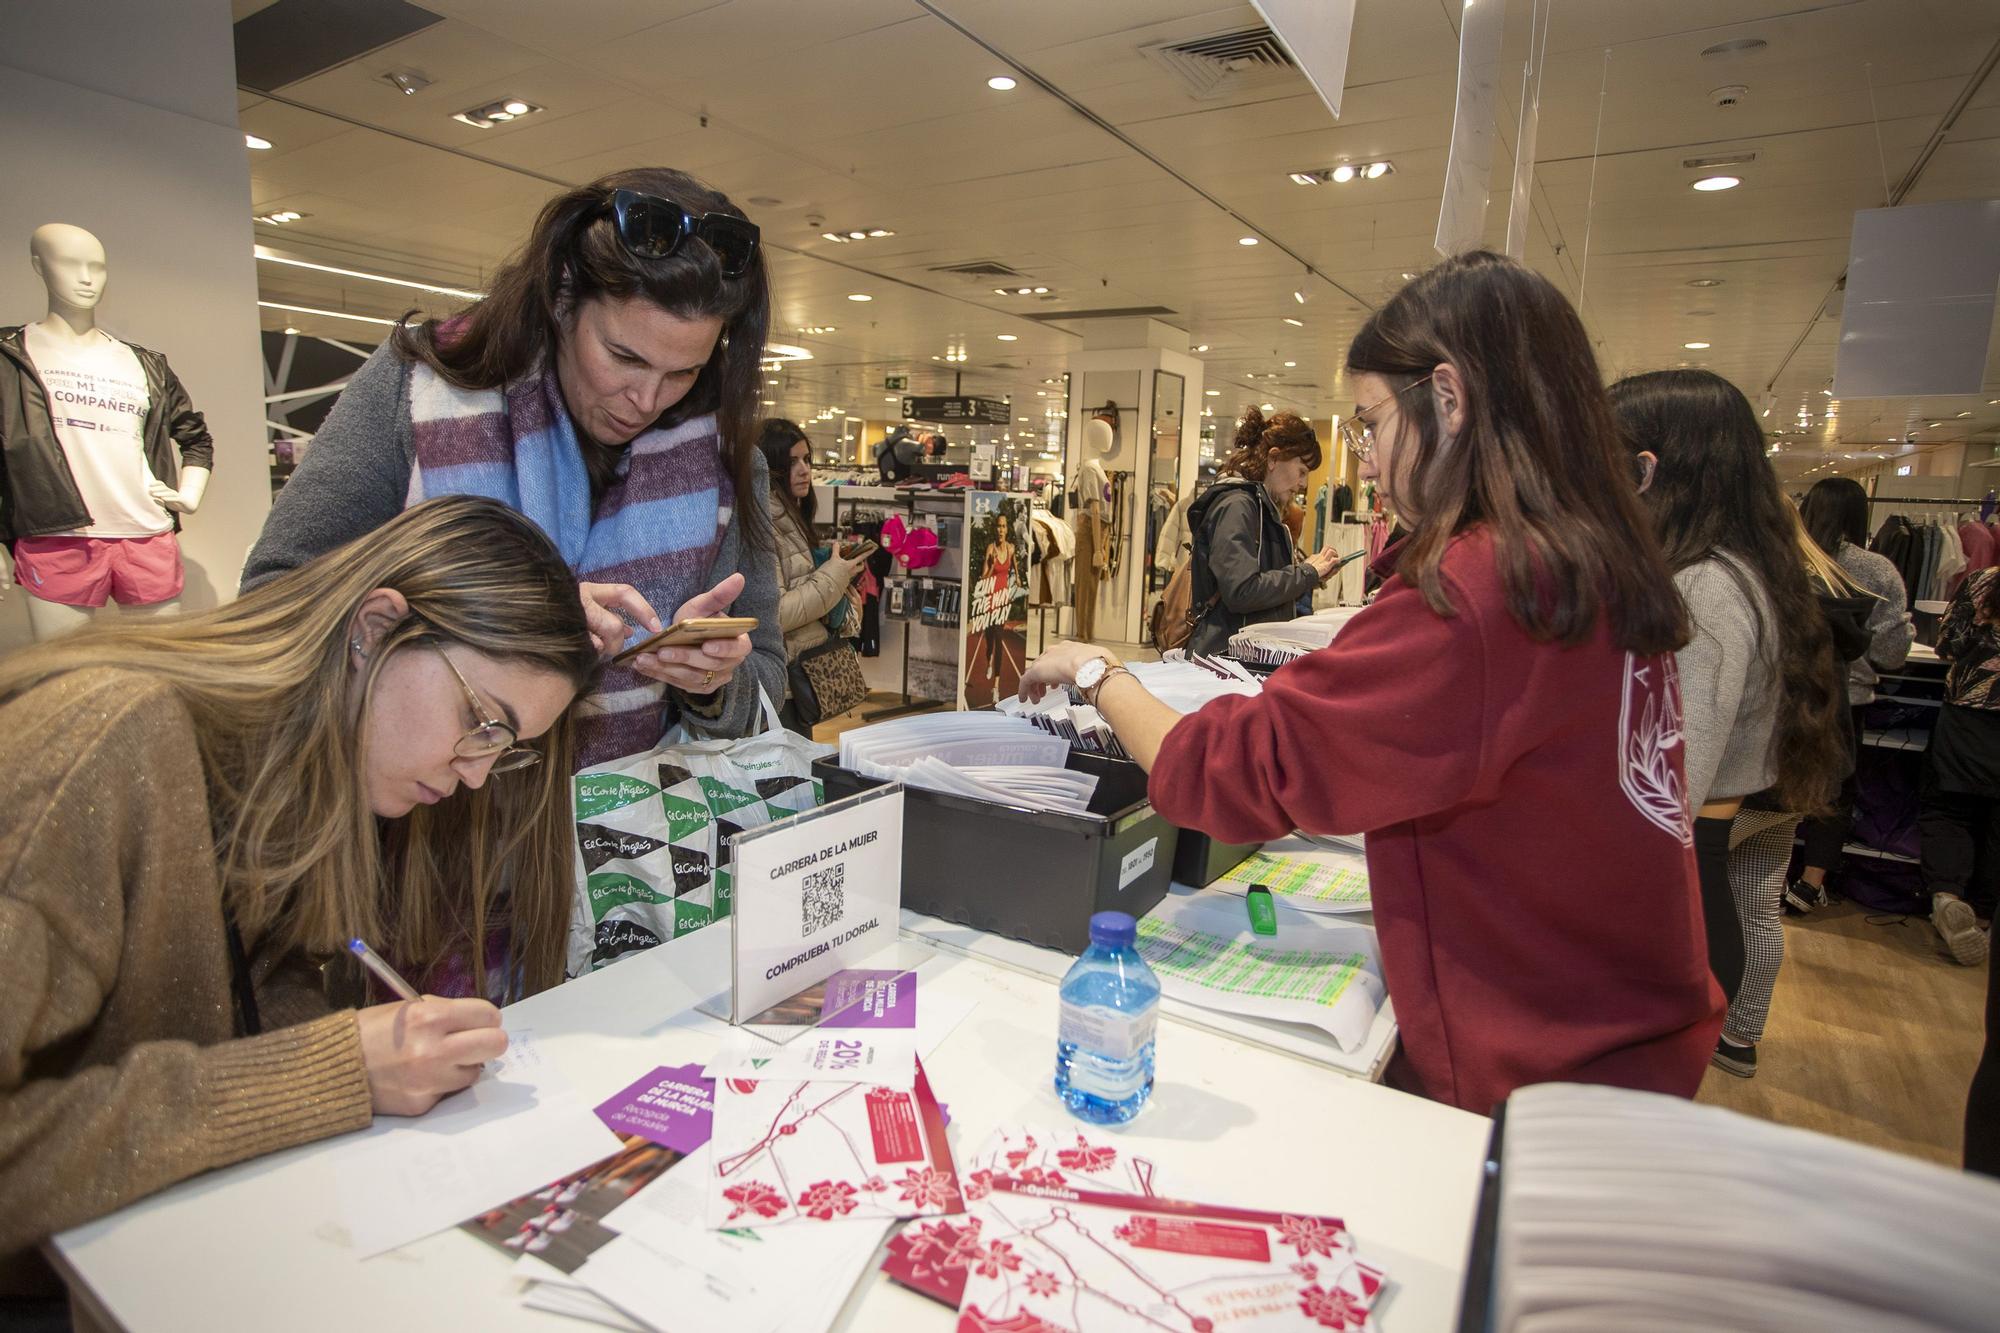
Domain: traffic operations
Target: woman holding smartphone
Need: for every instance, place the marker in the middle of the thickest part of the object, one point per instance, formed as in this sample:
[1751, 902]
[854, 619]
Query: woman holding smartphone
[1500, 723]
[606, 386]
[807, 592]
[196, 810]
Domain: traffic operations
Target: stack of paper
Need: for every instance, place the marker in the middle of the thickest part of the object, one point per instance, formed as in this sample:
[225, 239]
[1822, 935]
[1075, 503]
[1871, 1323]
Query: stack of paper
[989, 756]
[1623, 1210]
[1273, 643]
[1312, 881]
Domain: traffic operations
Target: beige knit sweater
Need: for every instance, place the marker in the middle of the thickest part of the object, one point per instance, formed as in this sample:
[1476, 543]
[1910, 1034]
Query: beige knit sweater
[120, 1069]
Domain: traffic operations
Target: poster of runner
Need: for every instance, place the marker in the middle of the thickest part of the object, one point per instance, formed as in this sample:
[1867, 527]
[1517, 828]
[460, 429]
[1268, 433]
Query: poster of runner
[999, 551]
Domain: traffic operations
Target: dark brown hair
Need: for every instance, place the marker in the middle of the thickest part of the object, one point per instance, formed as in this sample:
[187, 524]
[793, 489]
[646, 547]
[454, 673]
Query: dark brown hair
[1258, 435]
[777, 437]
[1714, 494]
[573, 255]
[1538, 461]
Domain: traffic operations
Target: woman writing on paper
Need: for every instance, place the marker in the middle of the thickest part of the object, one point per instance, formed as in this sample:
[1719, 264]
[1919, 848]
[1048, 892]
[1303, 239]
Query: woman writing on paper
[606, 386]
[195, 810]
[1501, 723]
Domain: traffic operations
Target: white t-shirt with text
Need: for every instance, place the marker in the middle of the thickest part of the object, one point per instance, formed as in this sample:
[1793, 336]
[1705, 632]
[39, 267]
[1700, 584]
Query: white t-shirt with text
[98, 400]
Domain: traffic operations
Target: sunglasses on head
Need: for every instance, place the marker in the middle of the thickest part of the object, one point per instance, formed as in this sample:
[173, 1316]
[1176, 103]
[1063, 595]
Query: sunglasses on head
[650, 227]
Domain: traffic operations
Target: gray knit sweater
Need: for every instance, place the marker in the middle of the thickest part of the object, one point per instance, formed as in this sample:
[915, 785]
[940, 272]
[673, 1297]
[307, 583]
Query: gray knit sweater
[357, 475]
[1729, 682]
[1889, 627]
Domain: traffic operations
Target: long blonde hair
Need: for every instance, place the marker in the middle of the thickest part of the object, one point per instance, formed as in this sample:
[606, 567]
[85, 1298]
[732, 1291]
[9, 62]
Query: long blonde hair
[268, 683]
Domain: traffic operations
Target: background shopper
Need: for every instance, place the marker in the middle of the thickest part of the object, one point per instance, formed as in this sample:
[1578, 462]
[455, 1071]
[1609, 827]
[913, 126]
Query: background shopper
[1245, 568]
[1958, 813]
[1761, 705]
[808, 592]
[1498, 722]
[607, 387]
[195, 809]
[1835, 514]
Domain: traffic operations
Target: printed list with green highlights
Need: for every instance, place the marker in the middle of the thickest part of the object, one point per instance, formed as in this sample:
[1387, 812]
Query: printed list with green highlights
[1301, 883]
[1258, 971]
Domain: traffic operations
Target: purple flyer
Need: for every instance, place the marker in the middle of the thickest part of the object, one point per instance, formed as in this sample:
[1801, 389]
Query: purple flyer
[674, 1106]
[870, 998]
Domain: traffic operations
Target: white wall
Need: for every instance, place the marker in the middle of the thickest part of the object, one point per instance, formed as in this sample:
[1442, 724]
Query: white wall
[120, 116]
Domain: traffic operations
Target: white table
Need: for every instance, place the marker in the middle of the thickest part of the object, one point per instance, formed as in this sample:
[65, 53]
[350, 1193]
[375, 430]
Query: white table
[261, 1245]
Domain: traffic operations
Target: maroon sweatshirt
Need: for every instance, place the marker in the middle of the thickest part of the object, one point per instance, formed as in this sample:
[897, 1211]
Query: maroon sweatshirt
[1529, 851]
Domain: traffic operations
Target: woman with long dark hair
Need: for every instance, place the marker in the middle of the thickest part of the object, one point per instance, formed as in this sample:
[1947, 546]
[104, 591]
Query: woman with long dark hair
[1501, 722]
[607, 387]
[1762, 708]
[807, 592]
[1245, 568]
[1835, 512]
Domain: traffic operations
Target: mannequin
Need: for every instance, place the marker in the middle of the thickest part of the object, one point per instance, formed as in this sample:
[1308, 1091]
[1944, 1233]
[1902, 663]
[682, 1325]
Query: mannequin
[1093, 519]
[90, 515]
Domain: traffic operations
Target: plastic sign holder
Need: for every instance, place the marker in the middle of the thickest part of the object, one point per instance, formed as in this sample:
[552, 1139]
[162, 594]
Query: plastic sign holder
[815, 894]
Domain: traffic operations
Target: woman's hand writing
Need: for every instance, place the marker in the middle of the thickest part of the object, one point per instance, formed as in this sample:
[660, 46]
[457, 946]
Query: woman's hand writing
[418, 1051]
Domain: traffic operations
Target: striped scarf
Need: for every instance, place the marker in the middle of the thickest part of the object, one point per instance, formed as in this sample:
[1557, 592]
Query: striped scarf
[657, 527]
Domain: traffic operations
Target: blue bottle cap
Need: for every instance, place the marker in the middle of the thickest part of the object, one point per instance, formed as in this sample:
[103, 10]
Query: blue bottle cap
[1113, 930]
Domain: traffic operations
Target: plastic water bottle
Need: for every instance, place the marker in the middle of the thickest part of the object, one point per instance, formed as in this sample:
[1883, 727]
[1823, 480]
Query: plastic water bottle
[1110, 1007]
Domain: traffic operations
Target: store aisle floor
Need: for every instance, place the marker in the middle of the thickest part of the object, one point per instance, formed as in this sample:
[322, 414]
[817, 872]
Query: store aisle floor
[1873, 1036]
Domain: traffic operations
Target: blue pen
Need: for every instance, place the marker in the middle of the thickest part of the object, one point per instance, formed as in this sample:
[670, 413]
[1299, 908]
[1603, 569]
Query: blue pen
[387, 975]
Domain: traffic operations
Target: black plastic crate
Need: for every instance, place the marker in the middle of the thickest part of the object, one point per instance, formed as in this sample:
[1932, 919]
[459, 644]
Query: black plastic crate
[1030, 874]
[1200, 860]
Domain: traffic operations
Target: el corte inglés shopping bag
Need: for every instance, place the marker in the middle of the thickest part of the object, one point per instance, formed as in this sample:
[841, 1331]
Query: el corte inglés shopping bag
[653, 831]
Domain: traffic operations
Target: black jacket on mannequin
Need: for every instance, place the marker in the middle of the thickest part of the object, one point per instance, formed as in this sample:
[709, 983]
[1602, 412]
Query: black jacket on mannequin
[38, 492]
[1243, 558]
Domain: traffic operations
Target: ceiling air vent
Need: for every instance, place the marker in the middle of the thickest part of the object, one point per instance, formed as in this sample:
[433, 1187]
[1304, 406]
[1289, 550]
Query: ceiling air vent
[1225, 63]
[1121, 312]
[979, 268]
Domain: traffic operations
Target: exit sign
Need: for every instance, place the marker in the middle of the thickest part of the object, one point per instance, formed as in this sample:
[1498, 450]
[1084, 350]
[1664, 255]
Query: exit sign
[896, 383]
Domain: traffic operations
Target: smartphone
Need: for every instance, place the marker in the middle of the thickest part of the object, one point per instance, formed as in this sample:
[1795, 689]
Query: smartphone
[859, 549]
[684, 632]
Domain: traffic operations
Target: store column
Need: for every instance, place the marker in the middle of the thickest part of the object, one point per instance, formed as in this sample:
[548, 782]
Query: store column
[119, 117]
[1134, 410]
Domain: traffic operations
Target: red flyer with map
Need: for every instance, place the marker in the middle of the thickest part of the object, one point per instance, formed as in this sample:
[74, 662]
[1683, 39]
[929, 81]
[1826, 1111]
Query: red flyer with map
[785, 1151]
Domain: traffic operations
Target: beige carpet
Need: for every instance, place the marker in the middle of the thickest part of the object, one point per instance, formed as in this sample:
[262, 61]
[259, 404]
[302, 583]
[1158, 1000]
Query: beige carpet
[1873, 1036]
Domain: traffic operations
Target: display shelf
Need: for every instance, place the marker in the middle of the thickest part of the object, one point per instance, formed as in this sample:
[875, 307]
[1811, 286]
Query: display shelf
[1897, 738]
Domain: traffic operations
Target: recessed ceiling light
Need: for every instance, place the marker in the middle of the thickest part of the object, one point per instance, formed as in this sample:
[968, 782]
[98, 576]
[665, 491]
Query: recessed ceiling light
[1213, 393]
[1409, 276]
[253, 141]
[857, 235]
[770, 381]
[1204, 348]
[1290, 364]
[1377, 170]
[1005, 337]
[1343, 173]
[770, 402]
[290, 331]
[330, 314]
[1695, 347]
[1295, 323]
[1266, 407]
[892, 398]
[859, 296]
[1000, 83]
[1705, 282]
[1246, 240]
[517, 108]
[1041, 291]
[1710, 184]
[494, 113]
[1304, 178]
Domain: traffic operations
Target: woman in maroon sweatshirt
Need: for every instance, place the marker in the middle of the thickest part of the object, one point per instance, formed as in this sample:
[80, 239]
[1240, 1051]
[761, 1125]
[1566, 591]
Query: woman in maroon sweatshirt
[1503, 722]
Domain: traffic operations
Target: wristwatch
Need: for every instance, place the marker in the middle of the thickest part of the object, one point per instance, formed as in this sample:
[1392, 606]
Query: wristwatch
[1090, 677]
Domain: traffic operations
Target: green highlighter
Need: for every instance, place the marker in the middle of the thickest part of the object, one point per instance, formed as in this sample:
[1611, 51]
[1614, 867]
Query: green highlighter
[1263, 914]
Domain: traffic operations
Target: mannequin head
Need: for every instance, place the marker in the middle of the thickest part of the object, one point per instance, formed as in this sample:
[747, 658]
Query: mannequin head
[70, 263]
[1099, 438]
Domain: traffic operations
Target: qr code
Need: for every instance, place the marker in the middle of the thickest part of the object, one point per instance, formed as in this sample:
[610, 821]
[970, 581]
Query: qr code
[825, 900]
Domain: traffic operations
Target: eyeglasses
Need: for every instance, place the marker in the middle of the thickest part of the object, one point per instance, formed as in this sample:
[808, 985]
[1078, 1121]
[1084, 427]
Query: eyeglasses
[491, 735]
[650, 227]
[1358, 435]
